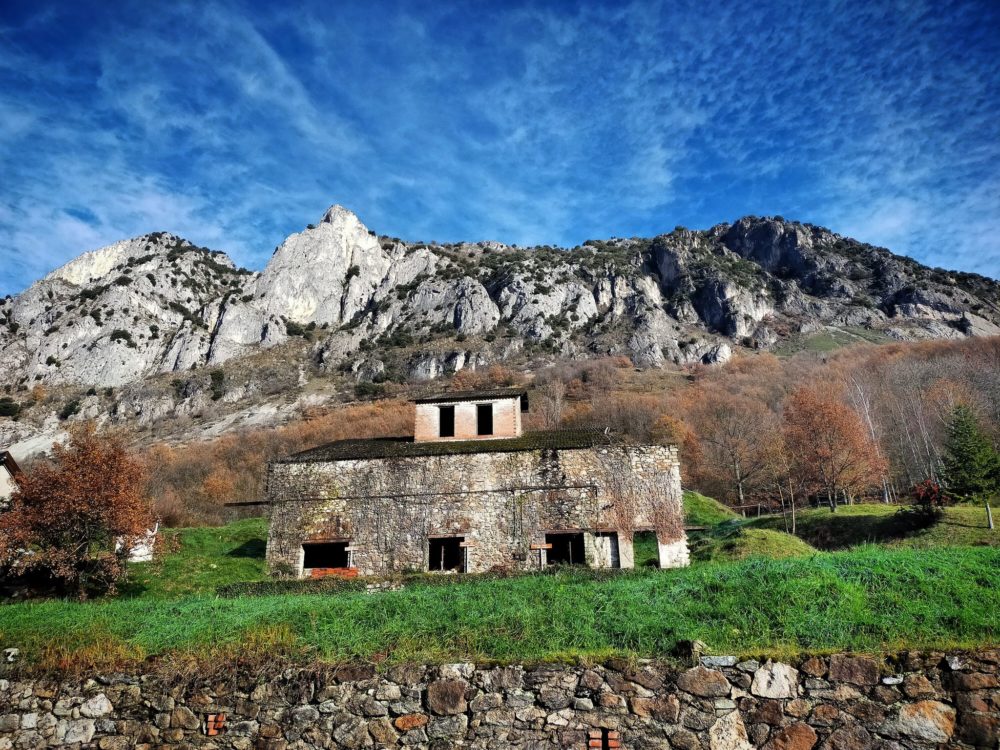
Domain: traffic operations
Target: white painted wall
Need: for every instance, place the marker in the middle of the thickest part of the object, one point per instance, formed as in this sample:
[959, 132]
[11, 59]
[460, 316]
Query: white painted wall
[7, 485]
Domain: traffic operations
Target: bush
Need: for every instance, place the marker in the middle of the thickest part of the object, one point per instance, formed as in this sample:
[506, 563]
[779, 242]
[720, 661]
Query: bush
[9, 407]
[120, 334]
[70, 409]
[369, 390]
[218, 384]
[929, 497]
[68, 523]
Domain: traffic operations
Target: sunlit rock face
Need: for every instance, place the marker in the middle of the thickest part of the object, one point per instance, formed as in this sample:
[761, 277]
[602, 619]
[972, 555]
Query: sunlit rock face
[158, 304]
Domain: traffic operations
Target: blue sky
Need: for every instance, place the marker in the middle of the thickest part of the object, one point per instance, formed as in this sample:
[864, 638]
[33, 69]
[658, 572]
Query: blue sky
[235, 124]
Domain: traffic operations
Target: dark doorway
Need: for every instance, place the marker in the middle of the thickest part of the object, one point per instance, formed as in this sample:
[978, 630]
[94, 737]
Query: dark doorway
[326, 555]
[567, 549]
[446, 554]
[484, 419]
[446, 421]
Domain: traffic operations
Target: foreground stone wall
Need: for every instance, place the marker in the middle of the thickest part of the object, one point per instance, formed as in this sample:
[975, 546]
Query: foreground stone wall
[501, 503]
[840, 702]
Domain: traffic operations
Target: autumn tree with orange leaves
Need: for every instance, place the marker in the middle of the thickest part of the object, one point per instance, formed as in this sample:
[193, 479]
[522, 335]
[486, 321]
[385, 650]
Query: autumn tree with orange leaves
[77, 516]
[830, 449]
[740, 442]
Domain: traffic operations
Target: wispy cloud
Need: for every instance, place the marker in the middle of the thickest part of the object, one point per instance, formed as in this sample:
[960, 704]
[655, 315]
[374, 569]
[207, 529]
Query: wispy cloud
[234, 123]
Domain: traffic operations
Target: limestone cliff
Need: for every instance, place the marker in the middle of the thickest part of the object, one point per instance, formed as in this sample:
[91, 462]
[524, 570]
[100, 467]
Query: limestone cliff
[158, 304]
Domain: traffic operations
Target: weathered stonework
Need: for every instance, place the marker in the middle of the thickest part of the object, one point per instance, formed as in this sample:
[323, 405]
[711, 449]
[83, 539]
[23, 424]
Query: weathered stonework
[720, 705]
[499, 502]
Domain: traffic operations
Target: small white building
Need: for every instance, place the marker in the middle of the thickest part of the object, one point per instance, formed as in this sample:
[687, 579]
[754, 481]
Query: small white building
[9, 472]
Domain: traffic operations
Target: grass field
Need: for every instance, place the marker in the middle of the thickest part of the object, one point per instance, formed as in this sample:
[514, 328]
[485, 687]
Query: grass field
[198, 560]
[830, 339]
[852, 525]
[752, 589]
[734, 541]
[869, 599]
[700, 510]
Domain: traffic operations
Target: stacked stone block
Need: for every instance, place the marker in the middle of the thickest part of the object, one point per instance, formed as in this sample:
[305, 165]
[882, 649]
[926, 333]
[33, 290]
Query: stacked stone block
[915, 701]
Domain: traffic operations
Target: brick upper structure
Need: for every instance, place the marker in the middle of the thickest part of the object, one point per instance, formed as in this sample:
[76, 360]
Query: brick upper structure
[470, 415]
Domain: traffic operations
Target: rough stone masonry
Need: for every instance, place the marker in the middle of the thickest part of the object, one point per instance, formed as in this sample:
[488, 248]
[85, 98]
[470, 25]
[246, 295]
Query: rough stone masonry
[386, 500]
[842, 702]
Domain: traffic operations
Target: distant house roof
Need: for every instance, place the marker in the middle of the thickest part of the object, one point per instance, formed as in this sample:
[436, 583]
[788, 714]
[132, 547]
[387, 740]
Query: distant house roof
[405, 447]
[485, 395]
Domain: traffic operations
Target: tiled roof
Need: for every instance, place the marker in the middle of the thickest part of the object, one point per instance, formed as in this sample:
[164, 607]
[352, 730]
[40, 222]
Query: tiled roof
[403, 447]
[471, 395]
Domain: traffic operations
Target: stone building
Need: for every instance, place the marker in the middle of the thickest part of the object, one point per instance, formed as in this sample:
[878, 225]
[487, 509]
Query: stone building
[471, 492]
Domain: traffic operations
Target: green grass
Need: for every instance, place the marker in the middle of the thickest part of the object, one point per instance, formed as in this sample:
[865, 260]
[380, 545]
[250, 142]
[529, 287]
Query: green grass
[869, 599]
[726, 537]
[700, 510]
[852, 525]
[197, 560]
[752, 590]
[734, 541]
[960, 525]
[830, 339]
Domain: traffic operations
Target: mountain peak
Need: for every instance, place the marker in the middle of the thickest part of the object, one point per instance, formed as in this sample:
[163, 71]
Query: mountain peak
[159, 304]
[337, 214]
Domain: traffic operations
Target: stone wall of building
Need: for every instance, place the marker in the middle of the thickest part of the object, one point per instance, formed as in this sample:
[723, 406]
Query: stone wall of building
[840, 702]
[501, 503]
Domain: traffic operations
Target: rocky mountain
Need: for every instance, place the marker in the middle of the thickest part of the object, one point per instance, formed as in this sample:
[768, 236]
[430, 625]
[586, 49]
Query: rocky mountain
[381, 308]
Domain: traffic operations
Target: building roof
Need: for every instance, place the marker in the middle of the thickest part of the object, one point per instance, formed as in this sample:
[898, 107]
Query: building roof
[486, 395]
[405, 447]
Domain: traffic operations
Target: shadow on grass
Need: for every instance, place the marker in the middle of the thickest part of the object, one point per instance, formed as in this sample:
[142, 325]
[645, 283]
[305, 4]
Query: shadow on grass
[131, 588]
[255, 548]
[953, 522]
[831, 531]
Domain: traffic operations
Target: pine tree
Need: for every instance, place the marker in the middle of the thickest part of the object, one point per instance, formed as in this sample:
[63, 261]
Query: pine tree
[970, 464]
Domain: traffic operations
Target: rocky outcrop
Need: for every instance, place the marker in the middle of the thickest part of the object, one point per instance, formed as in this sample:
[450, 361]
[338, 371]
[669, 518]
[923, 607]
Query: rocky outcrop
[158, 304]
[915, 702]
[116, 315]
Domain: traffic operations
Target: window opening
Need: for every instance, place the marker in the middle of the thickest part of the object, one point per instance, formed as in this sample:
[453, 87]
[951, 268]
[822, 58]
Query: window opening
[446, 554]
[326, 555]
[446, 421]
[567, 549]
